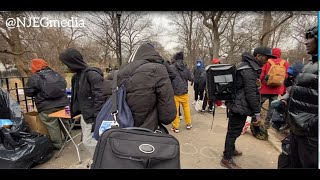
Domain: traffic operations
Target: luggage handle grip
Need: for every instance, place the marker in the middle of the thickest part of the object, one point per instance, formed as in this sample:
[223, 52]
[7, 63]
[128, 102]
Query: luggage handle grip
[139, 129]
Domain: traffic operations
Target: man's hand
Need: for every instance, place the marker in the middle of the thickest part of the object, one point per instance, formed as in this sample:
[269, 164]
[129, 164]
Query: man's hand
[257, 120]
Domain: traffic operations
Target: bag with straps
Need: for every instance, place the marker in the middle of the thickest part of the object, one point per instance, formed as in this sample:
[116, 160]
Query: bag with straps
[115, 107]
[52, 84]
[276, 74]
[131, 147]
[136, 148]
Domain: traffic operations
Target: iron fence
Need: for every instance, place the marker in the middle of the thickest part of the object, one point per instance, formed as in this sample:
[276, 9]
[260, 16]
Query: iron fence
[15, 87]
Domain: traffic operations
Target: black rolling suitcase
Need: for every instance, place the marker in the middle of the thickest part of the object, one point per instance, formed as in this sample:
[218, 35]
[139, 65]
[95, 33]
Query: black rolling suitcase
[136, 148]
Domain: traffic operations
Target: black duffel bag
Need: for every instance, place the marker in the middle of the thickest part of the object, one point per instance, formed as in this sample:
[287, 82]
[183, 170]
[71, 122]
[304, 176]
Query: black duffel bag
[22, 150]
[136, 148]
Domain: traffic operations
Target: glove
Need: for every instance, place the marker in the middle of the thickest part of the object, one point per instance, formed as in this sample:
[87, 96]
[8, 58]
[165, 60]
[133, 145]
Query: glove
[191, 84]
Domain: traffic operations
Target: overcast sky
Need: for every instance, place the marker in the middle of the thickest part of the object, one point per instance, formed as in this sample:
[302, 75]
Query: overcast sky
[161, 20]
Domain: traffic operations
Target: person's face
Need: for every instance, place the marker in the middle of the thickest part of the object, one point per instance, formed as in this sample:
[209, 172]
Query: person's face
[262, 59]
[311, 45]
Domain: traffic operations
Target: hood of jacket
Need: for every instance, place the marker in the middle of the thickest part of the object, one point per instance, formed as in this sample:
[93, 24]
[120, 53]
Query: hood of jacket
[98, 70]
[201, 64]
[276, 52]
[180, 65]
[73, 59]
[247, 57]
[147, 52]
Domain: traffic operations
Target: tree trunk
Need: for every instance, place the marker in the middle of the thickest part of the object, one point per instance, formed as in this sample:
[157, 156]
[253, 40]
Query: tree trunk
[216, 42]
[267, 20]
[16, 47]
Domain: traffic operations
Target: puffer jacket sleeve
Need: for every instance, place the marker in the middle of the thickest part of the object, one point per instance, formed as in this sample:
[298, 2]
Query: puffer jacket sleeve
[251, 90]
[32, 88]
[165, 97]
[96, 82]
[107, 86]
[190, 75]
[170, 71]
[202, 84]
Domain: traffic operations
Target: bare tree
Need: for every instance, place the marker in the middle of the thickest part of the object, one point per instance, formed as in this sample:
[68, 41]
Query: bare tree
[189, 31]
[13, 38]
[217, 22]
[270, 25]
[137, 30]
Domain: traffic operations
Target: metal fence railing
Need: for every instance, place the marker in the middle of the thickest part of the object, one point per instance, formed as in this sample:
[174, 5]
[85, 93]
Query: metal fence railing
[15, 86]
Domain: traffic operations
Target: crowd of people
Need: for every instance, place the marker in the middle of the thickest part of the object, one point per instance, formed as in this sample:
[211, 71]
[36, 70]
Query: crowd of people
[156, 88]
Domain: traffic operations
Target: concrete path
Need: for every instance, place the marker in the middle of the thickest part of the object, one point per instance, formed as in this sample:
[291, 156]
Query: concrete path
[200, 147]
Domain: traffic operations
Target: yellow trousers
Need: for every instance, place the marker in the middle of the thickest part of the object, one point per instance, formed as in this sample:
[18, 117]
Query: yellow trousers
[184, 100]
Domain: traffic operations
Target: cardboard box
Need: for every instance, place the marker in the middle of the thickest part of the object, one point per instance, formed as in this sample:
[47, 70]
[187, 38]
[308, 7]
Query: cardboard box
[33, 121]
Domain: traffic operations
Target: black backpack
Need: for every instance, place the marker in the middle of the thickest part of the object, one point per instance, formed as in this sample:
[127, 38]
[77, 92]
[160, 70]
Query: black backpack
[52, 84]
[221, 81]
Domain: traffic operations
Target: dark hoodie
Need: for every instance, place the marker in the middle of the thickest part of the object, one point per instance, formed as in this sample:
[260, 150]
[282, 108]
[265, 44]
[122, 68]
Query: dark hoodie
[198, 71]
[247, 99]
[149, 89]
[86, 98]
[180, 83]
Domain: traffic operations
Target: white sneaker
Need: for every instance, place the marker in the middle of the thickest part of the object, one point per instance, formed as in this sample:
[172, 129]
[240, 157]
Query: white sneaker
[194, 102]
[223, 106]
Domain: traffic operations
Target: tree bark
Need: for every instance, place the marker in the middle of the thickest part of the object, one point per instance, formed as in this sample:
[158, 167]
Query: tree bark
[15, 44]
[267, 20]
[266, 30]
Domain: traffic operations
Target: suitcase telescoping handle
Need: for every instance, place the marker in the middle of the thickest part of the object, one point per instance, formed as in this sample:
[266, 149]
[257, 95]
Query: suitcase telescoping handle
[139, 129]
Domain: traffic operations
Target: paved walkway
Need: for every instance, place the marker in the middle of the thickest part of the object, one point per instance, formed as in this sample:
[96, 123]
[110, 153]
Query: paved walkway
[200, 147]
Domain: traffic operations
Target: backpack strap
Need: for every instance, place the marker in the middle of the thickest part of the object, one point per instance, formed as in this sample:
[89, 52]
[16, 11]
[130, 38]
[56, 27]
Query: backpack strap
[271, 62]
[282, 62]
[244, 67]
[114, 103]
[114, 109]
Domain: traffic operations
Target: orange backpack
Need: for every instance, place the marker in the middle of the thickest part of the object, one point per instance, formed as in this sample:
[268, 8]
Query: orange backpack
[276, 73]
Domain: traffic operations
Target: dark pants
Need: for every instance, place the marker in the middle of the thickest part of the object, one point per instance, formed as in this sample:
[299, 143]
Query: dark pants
[205, 101]
[235, 125]
[197, 92]
[270, 97]
[304, 152]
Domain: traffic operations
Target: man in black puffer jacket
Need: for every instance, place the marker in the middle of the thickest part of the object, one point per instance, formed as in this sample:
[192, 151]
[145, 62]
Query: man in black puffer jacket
[149, 89]
[86, 97]
[302, 109]
[247, 101]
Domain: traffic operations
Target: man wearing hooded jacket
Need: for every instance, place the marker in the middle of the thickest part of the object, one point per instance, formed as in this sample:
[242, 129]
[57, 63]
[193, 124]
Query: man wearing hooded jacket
[271, 92]
[149, 90]
[197, 72]
[86, 97]
[180, 88]
[246, 102]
